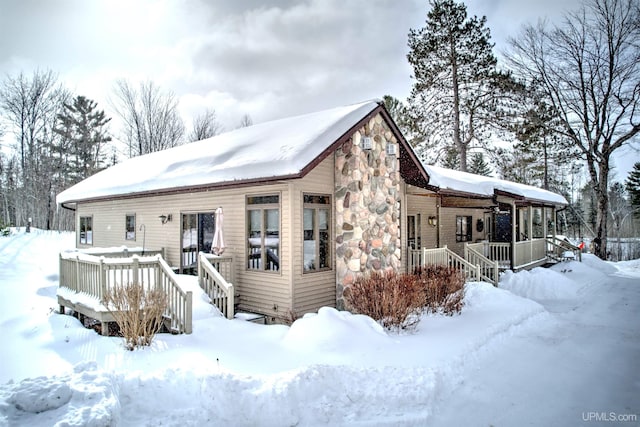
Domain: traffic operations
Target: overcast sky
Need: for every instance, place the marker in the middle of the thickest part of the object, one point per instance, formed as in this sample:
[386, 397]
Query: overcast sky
[268, 59]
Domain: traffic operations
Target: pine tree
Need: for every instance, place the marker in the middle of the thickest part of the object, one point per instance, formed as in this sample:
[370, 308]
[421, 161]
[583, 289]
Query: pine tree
[458, 98]
[539, 136]
[82, 128]
[633, 188]
[479, 166]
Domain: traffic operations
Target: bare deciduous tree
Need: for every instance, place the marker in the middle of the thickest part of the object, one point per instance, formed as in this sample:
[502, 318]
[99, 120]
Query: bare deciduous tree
[150, 116]
[589, 69]
[205, 126]
[246, 121]
[29, 106]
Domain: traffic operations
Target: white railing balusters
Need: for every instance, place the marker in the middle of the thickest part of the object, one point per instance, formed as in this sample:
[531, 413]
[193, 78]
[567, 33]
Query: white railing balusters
[94, 276]
[218, 287]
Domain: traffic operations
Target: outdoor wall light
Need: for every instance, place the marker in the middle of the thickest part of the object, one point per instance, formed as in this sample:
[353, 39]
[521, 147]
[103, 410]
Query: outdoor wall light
[165, 218]
[433, 221]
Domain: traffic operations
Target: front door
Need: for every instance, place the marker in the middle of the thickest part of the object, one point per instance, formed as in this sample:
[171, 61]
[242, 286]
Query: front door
[503, 230]
[197, 236]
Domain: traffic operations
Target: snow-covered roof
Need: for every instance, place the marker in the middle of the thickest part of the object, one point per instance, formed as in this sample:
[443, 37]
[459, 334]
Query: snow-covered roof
[463, 182]
[269, 150]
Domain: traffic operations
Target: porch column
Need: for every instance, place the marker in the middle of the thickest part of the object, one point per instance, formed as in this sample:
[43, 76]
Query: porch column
[514, 213]
[530, 233]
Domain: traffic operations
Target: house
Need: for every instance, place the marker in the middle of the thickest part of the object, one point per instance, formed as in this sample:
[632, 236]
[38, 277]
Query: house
[310, 202]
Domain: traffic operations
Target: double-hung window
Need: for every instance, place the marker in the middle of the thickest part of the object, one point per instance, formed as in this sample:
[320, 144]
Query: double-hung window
[263, 231]
[463, 229]
[316, 232]
[86, 230]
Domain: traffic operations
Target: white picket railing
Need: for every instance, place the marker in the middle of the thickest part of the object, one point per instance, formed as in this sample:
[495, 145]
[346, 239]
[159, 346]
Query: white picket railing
[489, 270]
[557, 249]
[94, 276]
[215, 275]
[446, 257]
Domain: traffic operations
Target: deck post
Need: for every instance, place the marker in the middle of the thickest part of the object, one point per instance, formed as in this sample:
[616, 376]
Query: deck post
[514, 236]
[496, 273]
[103, 280]
[135, 269]
[77, 282]
[188, 324]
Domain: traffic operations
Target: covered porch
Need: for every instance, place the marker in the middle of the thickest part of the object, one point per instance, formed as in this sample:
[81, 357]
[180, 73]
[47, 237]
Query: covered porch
[487, 228]
[485, 235]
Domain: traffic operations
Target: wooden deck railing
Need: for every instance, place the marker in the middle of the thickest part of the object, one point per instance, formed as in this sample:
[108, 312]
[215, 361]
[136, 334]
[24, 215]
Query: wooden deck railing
[495, 251]
[443, 256]
[94, 276]
[529, 252]
[489, 270]
[556, 248]
[215, 275]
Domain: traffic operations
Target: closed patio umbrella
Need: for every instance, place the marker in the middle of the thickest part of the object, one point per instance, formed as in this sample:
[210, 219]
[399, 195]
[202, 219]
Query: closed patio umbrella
[217, 246]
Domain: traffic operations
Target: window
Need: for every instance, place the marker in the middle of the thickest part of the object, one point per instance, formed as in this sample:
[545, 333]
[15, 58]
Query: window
[538, 227]
[316, 221]
[463, 229]
[130, 227]
[86, 230]
[263, 231]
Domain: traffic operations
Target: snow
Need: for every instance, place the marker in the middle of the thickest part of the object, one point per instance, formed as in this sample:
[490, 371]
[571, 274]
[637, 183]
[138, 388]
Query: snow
[549, 347]
[278, 148]
[447, 179]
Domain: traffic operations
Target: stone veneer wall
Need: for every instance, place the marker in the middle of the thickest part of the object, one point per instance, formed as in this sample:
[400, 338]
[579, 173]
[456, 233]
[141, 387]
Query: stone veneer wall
[367, 200]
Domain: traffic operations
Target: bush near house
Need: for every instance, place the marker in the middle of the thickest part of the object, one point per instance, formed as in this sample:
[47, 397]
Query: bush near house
[397, 300]
[443, 287]
[137, 311]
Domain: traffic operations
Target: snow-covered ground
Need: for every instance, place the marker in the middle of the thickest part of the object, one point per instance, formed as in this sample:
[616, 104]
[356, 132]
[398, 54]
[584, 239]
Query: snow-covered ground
[557, 346]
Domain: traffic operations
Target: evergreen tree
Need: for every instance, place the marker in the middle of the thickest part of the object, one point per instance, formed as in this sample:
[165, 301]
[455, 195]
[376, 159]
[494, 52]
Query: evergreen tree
[539, 137]
[479, 166]
[83, 130]
[633, 188]
[458, 98]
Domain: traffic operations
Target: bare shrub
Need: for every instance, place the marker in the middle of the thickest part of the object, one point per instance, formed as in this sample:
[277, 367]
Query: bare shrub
[137, 311]
[395, 300]
[443, 288]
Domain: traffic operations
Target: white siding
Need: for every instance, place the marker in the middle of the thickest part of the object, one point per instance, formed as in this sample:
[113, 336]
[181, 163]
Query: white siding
[262, 292]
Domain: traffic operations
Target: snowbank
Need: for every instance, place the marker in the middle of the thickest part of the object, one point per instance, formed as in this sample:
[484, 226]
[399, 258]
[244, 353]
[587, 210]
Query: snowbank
[332, 367]
[541, 283]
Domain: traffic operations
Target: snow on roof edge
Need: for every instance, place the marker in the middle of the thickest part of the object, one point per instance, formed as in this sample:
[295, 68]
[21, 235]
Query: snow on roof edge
[268, 150]
[449, 179]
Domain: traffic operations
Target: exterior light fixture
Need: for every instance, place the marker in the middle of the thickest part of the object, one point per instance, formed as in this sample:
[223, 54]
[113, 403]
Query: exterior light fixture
[433, 221]
[165, 218]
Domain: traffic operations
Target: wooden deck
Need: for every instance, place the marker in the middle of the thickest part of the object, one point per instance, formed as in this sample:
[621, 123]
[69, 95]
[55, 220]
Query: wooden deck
[86, 278]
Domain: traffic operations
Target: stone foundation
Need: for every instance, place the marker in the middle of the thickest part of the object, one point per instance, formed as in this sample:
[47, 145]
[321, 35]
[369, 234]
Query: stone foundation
[367, 200]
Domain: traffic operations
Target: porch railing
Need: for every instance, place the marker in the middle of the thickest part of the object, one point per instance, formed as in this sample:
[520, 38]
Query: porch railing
[443, 256]
[556, 248]
[95, 276]
[215, 274]
[489, 270]
[495, 251]
[529, 252]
